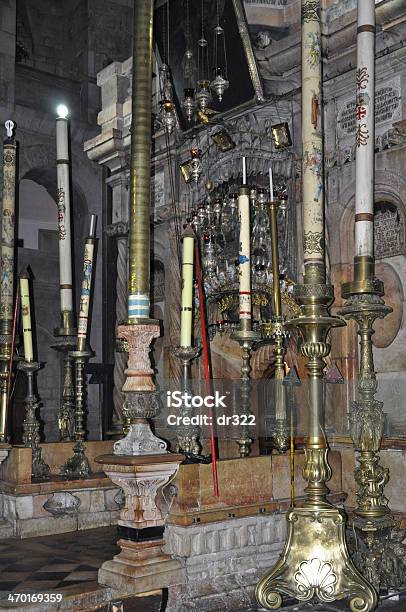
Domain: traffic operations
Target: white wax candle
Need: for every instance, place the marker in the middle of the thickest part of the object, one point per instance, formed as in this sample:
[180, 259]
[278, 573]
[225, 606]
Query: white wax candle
[244, 171]
[244, 257]
[270, 184]
[26, 318]
[63, 204]
[85, 293]
[186, 314]
[365, 123]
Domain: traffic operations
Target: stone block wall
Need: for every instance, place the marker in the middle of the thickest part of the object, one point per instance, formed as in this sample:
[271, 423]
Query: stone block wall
[223, 561]
[37, 513]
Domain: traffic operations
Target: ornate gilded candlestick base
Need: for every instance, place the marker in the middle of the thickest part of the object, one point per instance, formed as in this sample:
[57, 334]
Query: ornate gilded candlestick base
[315, 563]
[246, 338]
[31, 436]
[78, 466]
[187, 435]
[378, 551]
[66, 337]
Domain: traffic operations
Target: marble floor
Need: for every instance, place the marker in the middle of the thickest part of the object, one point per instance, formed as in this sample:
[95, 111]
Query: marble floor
[54, 563]
[67, 565]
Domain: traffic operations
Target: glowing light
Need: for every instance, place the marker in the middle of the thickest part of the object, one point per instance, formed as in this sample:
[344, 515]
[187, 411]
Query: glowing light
[62, 111]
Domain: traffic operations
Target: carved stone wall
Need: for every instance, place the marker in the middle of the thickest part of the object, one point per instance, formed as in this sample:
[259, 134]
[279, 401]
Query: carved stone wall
[223, 561]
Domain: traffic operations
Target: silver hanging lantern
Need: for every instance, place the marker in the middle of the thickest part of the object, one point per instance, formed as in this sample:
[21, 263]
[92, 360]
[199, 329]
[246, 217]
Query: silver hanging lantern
[196, 164]
[219, 86]
[168, 115]
[220, 81]
[165, 82]
[203, 95]
[189, 102]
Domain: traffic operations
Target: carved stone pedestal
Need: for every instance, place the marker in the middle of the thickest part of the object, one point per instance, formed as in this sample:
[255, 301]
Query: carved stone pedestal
[141, 565]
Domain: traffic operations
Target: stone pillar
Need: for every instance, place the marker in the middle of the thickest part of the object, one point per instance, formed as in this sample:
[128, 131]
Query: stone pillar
[141, 464]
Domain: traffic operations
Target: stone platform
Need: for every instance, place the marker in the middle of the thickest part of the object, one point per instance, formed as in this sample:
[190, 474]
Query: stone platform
[30, 508]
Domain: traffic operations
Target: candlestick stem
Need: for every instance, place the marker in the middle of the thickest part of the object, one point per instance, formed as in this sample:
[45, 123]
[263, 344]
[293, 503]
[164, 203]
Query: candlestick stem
[31, 435]
[78, 466]
[187, 435]
[281, 435]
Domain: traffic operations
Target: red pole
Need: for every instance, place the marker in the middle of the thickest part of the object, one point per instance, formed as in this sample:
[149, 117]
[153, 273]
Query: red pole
[206, 365]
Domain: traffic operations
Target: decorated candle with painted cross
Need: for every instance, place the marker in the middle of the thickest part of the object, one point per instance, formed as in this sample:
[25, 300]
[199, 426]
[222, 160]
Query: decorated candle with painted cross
[364, 135]
[244, 255]
[85, 294]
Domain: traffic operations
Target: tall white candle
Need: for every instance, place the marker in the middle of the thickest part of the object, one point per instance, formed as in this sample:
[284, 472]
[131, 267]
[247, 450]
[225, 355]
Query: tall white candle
[186, 314]
[312, 138]
[365, 129]
[26, 318]
[85, 295]
[63, 204]
[244, 255]
[271, 195]
[244, 171]
[7, 237]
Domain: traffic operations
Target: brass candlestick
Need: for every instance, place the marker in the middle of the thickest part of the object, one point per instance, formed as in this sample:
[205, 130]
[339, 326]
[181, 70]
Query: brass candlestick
[379, 552]
[246, 338]
[187, 435]
[315, 563]
[281, 434]
[66, 342]
[31, 436]
[78, 466]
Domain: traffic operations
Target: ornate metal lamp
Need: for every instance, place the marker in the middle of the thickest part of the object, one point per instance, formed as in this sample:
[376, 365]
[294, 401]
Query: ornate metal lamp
[168, 115]
[216, 224]
[196, 164]
[189, 103]
[220, 82]
[203, 93]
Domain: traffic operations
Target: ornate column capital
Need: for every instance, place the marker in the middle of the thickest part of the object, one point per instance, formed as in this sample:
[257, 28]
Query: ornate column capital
[139, 372]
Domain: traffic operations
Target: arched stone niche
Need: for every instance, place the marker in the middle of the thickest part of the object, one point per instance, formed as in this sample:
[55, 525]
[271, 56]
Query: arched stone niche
[389, 242]
[389, 231]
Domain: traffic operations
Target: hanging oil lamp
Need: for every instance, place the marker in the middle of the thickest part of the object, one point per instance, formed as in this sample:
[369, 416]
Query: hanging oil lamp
[196, 164]
[189, 102]
[168, 115]
[203, 93]
[220, 81]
